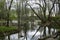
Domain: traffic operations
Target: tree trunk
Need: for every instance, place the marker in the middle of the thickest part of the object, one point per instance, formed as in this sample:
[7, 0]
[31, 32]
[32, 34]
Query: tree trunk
[8, 13]
[7, 19]
[49, 30]
[59, 9]
[8, 37]
[44, 33]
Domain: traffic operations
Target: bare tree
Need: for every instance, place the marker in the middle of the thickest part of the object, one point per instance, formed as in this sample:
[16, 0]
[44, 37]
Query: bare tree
[45, 21]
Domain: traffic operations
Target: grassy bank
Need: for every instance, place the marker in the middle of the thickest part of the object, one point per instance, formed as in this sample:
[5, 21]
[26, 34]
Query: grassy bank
[7, 29]
[4, 31]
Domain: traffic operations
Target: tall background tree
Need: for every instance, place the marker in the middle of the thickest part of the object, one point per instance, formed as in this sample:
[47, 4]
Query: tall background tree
[8, 13]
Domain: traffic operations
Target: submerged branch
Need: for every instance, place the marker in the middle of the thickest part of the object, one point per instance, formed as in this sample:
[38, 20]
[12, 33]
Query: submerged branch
[38, 29]
[46, 37]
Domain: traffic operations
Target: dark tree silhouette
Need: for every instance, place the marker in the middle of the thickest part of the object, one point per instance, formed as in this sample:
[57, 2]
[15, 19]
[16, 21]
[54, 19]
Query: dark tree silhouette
[8, 13]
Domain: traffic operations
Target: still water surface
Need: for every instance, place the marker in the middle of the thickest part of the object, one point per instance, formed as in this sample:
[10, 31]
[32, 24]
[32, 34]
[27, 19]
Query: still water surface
[29, 35]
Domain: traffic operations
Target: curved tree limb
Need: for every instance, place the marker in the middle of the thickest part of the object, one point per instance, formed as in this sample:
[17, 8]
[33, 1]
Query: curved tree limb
[39, 5]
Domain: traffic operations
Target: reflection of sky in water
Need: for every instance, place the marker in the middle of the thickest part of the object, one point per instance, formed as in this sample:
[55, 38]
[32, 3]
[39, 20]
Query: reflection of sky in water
[29, 35]
[14, 36]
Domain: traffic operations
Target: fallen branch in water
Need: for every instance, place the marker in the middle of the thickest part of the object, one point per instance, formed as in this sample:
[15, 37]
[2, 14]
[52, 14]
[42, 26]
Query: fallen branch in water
[46, 37]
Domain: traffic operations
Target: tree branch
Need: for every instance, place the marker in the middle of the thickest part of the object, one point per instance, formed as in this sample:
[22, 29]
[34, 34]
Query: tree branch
[44, 10]
[35, 13]
[10, 4]
[38, 29]
[39, 5]
[51, 10]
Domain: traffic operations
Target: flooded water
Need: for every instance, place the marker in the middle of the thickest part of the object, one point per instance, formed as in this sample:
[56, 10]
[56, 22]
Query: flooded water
[29, 35]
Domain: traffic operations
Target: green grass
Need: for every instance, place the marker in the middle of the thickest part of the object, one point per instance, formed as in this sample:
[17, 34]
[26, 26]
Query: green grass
[7, 29]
